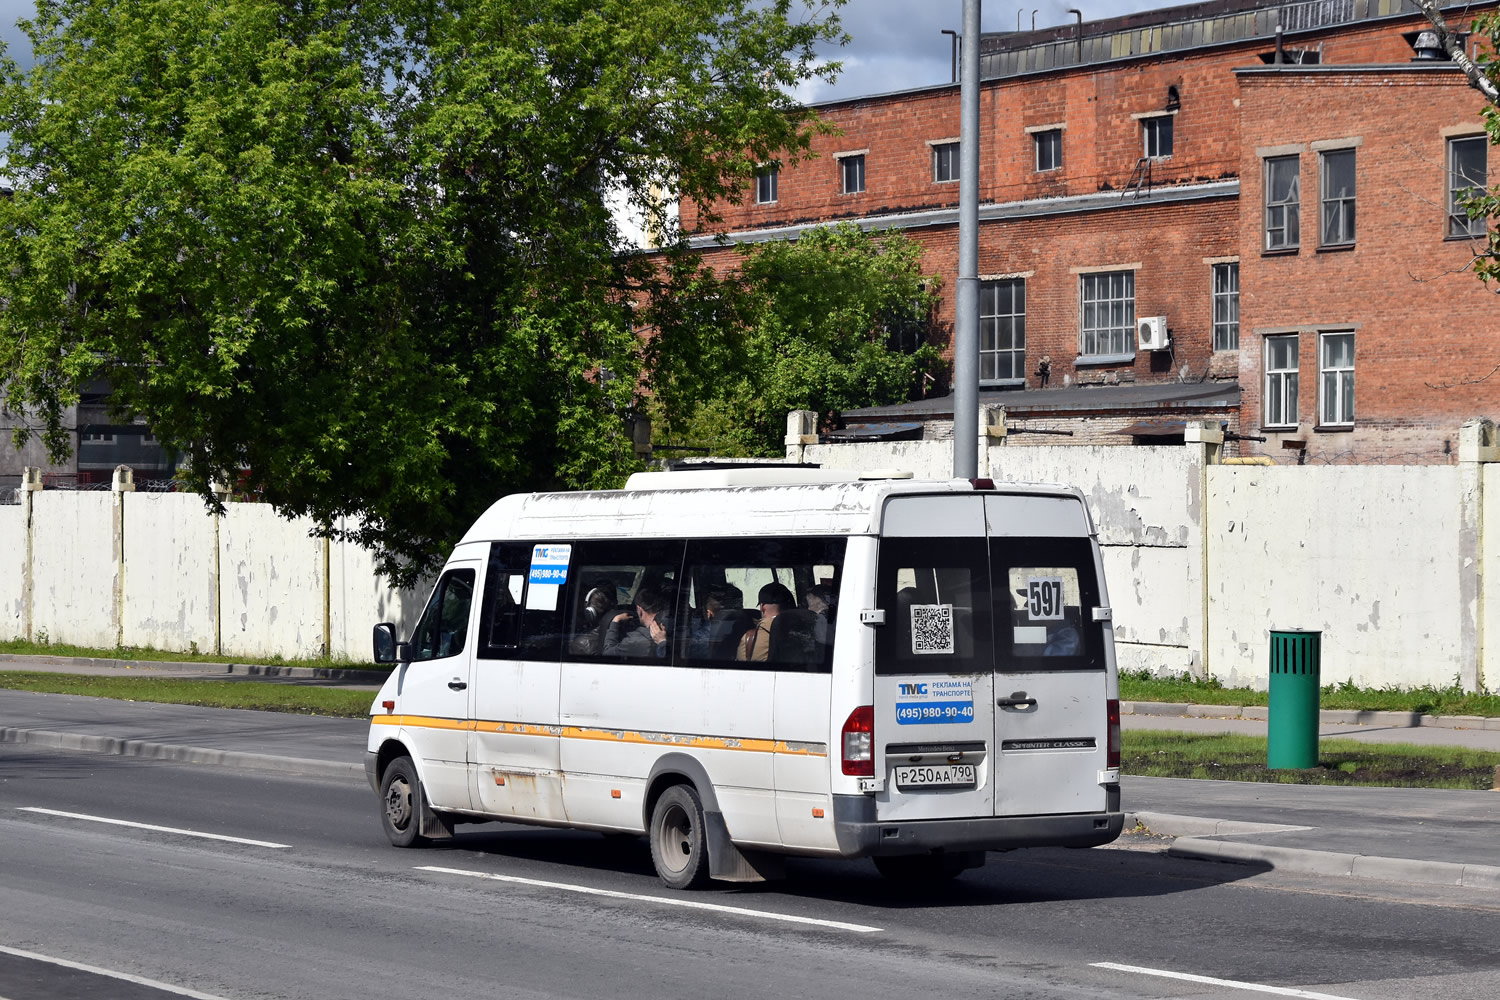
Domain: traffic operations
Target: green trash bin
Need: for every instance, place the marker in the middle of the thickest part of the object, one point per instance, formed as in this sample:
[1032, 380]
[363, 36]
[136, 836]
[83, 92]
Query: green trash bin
[1292, 733]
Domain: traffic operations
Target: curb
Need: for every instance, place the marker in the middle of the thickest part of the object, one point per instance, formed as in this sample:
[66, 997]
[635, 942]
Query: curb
[1191, 833]
[371, 677]
[181, 754]
[1327, 717]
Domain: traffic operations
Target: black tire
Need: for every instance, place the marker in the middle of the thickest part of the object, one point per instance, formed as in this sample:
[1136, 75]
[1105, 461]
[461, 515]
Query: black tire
[679, 847]
[916, 870]
[401, 803]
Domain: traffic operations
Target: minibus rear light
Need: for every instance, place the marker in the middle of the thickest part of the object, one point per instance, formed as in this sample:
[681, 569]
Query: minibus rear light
[858, 742]
[982, 484]
[1112, 758]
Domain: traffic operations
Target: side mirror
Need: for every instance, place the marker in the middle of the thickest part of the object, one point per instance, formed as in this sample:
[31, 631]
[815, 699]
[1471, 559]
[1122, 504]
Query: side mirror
[385, 643]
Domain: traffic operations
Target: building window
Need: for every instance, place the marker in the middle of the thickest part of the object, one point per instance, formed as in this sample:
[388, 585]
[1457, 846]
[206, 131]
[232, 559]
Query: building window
[1106, 311]
[1002, 330]
[1466, 176]
[1336, 392]
[1227, 306]
[944, 163]
[765, 185]
[1158, 135]
[1048, 149]
[1283, 202]
[853, 170]
[1338, 197]
[1280, 409]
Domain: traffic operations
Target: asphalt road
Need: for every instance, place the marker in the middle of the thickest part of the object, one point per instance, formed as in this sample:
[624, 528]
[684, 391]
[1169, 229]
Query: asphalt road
[306, 899]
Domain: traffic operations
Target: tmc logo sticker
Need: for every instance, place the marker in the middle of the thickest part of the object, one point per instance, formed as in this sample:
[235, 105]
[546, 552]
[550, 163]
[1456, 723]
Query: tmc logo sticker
[913, 688]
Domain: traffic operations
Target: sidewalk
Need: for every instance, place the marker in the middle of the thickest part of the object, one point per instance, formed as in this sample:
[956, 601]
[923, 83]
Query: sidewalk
[1419, 835]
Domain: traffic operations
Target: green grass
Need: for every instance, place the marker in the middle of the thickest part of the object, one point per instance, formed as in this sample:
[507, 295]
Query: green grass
[1233, 757]
[23, 647]
[1452, 700]
[264, 696]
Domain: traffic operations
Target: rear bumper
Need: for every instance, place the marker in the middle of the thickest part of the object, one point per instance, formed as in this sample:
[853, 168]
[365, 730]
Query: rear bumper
[861, 835]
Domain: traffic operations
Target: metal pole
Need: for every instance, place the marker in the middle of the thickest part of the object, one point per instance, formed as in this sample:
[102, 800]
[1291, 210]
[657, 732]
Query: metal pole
[966, 303]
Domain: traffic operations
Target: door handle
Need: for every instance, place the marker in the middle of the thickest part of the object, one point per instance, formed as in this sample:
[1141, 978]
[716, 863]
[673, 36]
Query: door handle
[457, 685]
[1017, 700]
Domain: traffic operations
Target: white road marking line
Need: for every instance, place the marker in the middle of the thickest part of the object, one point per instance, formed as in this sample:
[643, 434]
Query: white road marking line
[691, 904]
[1285, 991]
[148, 826]
[181, 991]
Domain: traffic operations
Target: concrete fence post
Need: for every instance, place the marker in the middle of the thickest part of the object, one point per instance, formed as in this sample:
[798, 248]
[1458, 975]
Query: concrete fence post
[31, 483]
[1207, 437]
[121, 483]
[1478, 446]
[801, 431]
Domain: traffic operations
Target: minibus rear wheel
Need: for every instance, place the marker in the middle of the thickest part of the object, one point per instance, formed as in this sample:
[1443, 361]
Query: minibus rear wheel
[678, 846]
[401, 803]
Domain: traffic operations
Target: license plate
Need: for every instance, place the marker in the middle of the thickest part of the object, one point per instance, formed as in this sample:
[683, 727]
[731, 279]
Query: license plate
[936, 776]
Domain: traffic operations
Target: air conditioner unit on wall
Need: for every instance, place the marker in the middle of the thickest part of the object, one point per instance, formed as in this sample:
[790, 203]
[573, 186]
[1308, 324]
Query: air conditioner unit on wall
[1153, 331]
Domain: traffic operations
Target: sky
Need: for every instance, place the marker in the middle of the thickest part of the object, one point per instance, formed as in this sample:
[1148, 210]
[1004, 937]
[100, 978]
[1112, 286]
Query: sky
[894, 44]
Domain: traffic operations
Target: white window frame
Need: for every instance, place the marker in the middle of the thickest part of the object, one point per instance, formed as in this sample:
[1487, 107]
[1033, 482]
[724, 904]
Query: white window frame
[1052, 135]
[1459, 225]
[1151, 130]
[767, 176]
[1224, 296]
[1283, 216]
[949, 152]
[1335, 382]
[1337, 205]
[990, 324]
[1116, 335]
[1279, 404]
[846, 161]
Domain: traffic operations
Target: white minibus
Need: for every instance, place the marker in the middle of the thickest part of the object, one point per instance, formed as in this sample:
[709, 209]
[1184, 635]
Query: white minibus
[745, 664]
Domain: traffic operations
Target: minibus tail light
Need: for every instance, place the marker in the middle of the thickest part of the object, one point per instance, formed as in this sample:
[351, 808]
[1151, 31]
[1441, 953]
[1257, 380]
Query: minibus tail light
[1113, 709]
[982, 484]
[858, 740]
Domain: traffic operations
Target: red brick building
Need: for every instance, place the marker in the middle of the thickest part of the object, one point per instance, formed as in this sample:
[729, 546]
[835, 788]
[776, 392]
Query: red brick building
[1138, 269]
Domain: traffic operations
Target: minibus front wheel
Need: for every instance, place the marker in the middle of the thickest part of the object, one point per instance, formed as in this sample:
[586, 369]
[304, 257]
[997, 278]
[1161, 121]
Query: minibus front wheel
[401, 803]
[679, 848]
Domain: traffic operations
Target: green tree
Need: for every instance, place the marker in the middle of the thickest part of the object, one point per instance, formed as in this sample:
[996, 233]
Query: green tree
[834, 320]
[359, 258]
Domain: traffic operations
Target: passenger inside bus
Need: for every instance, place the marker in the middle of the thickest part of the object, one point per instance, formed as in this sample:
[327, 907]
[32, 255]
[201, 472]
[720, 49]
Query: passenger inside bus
[719, 623]
[755, 647]
[644, 634]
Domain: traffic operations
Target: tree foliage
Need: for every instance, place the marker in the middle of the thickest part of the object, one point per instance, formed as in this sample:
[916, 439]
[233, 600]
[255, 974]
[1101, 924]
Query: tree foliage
[837, 319]
[359, 257]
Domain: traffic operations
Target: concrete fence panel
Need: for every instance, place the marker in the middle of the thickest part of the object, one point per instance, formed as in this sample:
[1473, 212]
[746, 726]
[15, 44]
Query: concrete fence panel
[172, 538]
[271, 584]
[360, 597]
[75, 584]
[1489, 575]
[1371, 556]
[12, 571]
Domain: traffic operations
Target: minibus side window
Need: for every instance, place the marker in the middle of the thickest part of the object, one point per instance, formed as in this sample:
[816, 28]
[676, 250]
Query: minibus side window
[723, 622]
[1044, 616]
[935, 594]
[620, 599]
[516, 623]
[445, 621]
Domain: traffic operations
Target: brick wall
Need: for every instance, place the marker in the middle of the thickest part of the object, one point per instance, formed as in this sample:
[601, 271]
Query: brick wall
[1424, 327]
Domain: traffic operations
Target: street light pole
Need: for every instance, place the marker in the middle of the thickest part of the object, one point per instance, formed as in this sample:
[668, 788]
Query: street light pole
[966, 299]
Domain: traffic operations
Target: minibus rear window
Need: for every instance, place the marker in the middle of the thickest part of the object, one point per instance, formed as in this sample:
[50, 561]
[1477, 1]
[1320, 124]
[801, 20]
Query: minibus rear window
[1044, 613]
[936, 597]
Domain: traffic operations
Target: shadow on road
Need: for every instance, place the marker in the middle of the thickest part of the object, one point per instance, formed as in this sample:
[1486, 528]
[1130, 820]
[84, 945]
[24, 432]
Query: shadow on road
[1026, 876]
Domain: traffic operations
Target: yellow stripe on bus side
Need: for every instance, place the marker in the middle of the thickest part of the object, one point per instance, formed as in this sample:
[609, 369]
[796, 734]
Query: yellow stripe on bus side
[612, 735]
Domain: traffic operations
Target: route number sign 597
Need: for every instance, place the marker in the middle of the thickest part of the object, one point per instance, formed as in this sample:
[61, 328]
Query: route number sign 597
[1044, 597]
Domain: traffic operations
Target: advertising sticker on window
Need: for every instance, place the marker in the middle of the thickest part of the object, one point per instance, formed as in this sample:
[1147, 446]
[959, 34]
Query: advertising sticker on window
[549, 571]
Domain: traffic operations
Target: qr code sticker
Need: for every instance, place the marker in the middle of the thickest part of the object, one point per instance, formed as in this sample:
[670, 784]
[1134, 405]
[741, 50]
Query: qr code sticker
[932, 628]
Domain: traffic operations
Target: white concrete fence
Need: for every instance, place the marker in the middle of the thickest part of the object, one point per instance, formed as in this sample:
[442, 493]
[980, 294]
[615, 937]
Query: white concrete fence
[156, 569]
[1392, 564]
[1397, 566]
